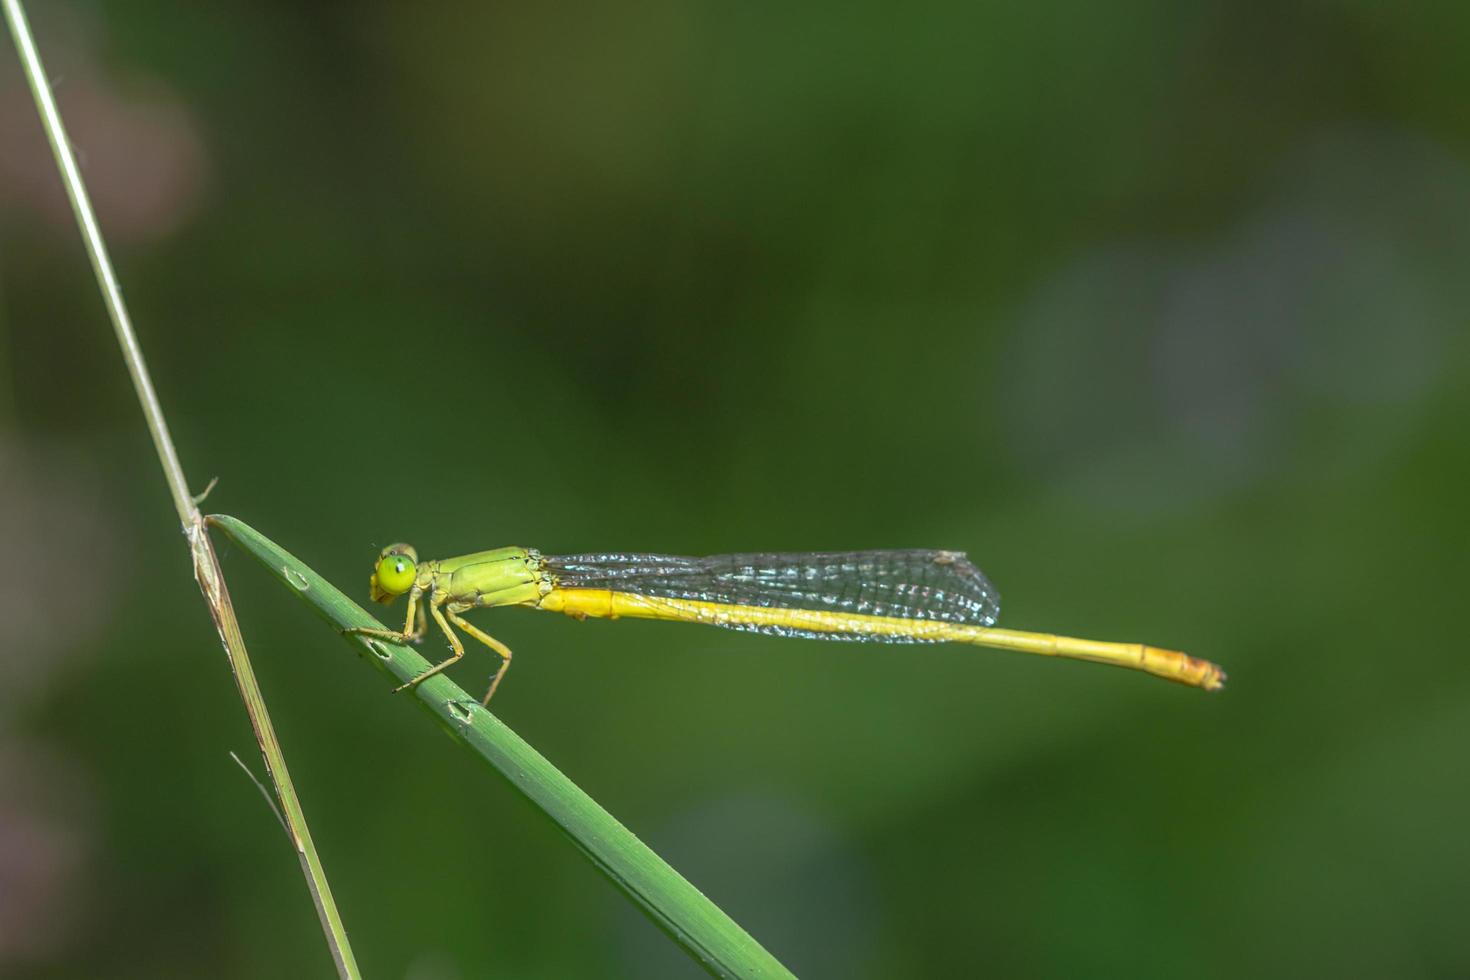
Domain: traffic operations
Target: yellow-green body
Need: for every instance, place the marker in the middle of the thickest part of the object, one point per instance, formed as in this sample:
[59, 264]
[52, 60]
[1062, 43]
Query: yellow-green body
[451, 586]
[499, 577]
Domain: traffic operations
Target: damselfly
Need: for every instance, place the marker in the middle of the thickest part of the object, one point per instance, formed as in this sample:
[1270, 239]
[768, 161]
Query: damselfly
[876, 596]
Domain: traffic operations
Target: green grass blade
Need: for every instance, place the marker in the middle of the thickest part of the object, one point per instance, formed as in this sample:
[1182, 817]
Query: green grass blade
[676, 906]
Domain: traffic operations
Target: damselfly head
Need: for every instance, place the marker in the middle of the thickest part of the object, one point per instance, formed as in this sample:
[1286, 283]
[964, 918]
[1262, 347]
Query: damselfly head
[395, 572]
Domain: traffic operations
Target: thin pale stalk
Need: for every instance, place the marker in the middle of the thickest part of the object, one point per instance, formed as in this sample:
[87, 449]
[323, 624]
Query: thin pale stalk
[81, 206]
[206, 564]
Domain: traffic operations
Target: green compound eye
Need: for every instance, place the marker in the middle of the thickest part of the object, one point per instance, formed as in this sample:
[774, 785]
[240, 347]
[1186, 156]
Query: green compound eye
[395, 574]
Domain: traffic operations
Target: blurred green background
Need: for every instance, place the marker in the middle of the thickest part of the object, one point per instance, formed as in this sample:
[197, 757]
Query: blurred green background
[1157, 310]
